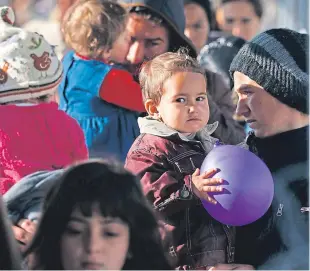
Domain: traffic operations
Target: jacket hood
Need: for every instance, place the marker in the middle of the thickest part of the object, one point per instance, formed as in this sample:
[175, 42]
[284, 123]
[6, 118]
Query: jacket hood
[28, 194]
[172, 11]
[152, 126]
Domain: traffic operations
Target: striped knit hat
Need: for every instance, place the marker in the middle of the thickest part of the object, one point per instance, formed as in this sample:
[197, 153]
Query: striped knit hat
[277, 60]
[29, 67]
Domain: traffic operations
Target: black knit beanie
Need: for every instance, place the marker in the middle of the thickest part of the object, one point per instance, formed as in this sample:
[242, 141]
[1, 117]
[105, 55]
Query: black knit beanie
[277, 60]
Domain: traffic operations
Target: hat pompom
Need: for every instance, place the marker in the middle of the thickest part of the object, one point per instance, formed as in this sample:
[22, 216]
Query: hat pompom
[7, 15]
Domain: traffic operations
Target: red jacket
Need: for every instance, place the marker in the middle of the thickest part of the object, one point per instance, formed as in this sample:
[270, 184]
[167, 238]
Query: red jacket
[34, 138]
[165, 165]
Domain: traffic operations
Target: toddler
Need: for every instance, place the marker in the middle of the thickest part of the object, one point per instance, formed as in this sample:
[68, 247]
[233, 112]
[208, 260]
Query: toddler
[95, 90]
[174, 141]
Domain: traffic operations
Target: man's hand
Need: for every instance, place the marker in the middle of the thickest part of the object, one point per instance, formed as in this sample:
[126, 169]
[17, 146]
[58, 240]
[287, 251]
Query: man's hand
[204, 183]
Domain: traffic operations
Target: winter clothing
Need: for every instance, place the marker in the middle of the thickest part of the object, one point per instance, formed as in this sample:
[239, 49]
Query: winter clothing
[33, 136]
[280, 239]
[277, 60]
[51, 30]
[29, 65]
[36, 137]
[165, 161]
[109, 129]
[25, 198]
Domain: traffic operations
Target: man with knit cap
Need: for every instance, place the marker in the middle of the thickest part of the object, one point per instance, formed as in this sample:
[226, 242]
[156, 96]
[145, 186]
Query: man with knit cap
[271, 79]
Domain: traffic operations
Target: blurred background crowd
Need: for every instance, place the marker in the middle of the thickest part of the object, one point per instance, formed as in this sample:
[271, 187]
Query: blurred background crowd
[275, 11]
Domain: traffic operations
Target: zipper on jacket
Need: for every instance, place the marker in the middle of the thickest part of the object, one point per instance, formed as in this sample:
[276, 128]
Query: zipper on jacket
[230, 247]
[280, 210]
[178, 166]
[192, 163]
[188, 235]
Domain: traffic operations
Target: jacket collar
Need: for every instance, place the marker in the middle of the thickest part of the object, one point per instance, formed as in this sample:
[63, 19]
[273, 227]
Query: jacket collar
[154, 127]
[282, 149]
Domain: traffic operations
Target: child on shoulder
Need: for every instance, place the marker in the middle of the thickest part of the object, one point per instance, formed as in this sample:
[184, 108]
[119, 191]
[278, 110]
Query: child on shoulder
[174, 141]
[34, 134]
[95, 90]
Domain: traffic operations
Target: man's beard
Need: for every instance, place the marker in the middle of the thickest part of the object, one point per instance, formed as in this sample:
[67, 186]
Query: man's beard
[134, 69]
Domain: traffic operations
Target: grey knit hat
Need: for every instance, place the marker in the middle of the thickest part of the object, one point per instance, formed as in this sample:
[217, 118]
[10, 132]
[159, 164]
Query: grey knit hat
[277, 60]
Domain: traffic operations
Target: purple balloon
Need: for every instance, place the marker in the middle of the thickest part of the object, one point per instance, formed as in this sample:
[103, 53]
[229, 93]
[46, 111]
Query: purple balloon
[248, 187]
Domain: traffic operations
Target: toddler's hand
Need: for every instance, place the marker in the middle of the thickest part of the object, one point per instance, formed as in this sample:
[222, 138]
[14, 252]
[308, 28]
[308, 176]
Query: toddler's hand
[204, 183]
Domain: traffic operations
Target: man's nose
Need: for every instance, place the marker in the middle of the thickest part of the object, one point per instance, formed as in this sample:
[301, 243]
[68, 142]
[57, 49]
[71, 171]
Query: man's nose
[242, 108]
[136, 53]
[237, 30]
[189, 33]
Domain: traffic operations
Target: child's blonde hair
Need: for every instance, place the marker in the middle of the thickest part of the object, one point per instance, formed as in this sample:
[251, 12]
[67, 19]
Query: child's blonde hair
[90, 26]
[155, 72]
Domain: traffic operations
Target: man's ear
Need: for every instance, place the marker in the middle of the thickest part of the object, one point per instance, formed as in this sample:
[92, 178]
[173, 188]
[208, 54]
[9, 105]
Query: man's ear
[151, 108]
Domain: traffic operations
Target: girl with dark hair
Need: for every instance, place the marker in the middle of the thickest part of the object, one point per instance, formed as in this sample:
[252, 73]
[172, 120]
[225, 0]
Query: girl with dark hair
[96, 217]
[241, 18]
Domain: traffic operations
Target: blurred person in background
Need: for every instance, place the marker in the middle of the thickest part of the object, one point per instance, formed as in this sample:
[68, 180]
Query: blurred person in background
[241, 18]
[200, 21]
[50, 28]
[22, 10]
[217, 57]
[201, 26]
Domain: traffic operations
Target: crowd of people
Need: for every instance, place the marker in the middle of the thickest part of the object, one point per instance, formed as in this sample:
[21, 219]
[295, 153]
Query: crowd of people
[103, 134]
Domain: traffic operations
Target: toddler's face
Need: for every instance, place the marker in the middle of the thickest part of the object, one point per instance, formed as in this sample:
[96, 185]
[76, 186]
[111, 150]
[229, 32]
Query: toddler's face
[184, 104]
[120, 48]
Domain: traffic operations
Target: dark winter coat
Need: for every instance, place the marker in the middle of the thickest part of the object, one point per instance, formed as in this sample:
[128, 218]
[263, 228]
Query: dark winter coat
[165, 161]
[280, 239]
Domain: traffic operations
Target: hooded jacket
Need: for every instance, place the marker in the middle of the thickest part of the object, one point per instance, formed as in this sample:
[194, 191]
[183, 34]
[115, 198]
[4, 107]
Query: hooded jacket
[25, 198]
[165, 160]
[219, 95]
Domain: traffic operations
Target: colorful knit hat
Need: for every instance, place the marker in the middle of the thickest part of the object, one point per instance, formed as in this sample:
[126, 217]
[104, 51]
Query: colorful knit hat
[29, 67]
[277, 60]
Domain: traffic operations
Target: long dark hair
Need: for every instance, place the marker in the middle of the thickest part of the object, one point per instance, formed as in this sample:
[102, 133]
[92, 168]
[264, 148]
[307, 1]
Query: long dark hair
[119, 195]
[10, 259]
